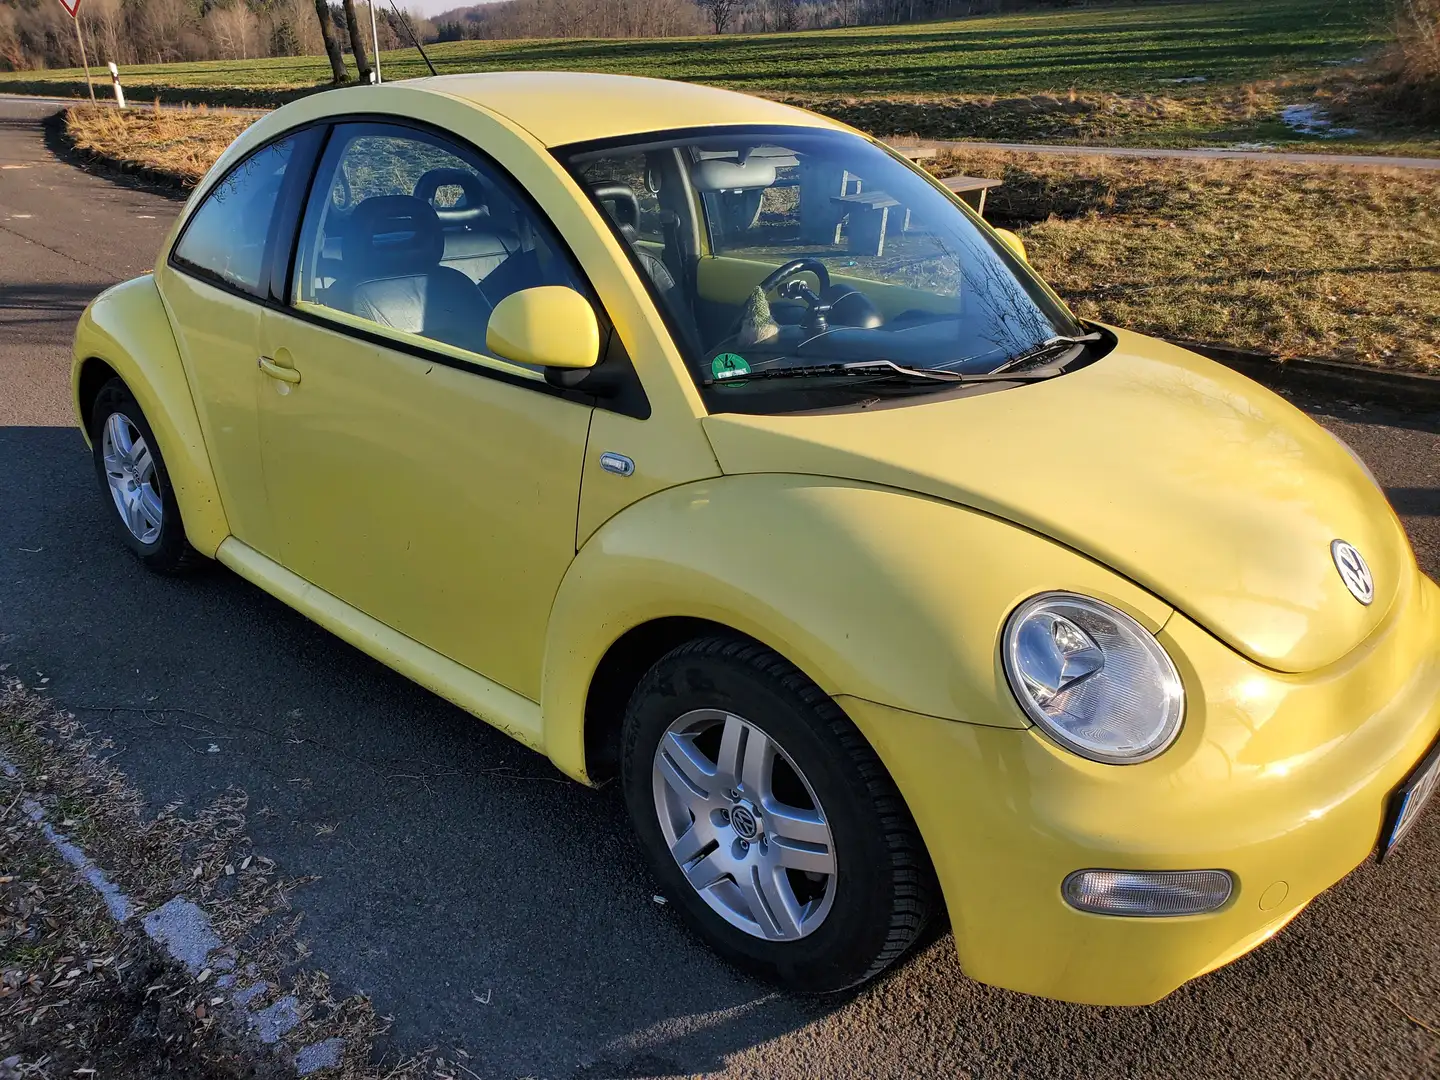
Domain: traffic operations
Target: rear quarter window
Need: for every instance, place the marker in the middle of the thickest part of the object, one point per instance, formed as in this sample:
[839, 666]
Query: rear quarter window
[225, 238]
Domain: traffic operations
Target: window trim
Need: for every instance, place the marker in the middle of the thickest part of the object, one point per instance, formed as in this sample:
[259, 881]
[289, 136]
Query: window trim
[629, 399]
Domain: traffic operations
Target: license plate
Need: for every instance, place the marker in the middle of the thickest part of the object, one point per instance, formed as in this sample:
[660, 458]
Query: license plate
[1407, 800]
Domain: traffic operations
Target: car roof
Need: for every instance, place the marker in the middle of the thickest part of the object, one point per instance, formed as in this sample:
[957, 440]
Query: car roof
[560, 107]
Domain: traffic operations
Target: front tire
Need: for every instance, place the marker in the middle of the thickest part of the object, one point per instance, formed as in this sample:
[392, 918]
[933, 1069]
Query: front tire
[769, 820]
[135, 484]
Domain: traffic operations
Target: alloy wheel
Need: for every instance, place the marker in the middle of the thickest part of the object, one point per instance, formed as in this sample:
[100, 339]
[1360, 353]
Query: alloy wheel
[130, 473]
[744, 825]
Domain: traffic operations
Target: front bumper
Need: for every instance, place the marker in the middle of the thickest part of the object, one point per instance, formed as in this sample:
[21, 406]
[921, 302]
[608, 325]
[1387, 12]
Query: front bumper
[1281, 779]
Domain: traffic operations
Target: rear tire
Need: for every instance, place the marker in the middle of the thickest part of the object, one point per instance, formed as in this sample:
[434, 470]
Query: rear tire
[134, 483]
[738, 766]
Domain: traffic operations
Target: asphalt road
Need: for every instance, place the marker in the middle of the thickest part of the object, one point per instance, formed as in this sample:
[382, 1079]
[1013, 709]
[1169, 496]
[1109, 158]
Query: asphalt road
[487, 904]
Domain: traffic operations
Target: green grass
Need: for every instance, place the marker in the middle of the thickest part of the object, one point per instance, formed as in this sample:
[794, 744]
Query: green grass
[1096, 75]
[1121, 47]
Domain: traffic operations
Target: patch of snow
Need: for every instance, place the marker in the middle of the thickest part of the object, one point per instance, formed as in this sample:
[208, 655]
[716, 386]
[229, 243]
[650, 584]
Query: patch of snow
[1250, 146]
[1187, 79]
[1311, 120]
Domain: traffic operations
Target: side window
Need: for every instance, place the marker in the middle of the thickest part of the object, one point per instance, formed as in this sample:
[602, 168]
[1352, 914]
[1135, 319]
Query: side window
[411, 233]
[225, 237]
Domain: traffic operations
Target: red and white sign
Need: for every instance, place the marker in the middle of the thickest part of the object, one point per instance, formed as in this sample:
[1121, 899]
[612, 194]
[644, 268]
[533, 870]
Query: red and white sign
[72, 7]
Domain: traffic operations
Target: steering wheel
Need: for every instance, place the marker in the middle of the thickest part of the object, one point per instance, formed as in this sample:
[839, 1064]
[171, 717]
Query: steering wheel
[795, 267]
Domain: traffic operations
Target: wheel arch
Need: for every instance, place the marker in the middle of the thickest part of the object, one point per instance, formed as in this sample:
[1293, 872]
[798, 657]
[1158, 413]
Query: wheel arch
[619, 672]
[125, 333]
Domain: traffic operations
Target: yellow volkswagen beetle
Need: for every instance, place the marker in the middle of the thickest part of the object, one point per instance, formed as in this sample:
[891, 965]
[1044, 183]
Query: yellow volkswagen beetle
[702, 442]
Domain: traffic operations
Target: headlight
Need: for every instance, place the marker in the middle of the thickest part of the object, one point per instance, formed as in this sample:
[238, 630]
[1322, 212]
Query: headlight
[1095, 680]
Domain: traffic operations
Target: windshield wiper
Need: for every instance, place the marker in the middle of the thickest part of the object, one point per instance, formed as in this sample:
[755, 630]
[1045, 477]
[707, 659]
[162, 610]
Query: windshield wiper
[877, 369]
[1049, 345]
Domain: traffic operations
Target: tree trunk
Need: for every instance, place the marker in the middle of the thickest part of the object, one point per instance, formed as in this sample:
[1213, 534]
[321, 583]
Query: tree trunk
[357, 41]
[332, 47]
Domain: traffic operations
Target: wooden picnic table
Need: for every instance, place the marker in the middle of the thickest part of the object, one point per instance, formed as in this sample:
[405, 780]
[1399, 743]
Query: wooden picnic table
[869, 214]
[963, 186]
[971, 185]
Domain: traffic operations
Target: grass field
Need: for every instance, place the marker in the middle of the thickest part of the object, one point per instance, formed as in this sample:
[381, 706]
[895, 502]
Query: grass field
[1105, 73]
[1296, 260]
[1299, 260]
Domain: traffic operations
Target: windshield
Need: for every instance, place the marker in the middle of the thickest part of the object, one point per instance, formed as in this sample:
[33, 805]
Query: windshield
[796, 252]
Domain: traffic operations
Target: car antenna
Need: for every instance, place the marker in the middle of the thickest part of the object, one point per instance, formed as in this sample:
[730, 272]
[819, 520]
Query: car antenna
[413, 39]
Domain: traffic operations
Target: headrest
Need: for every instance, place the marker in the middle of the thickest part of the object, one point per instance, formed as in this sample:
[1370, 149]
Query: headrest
[474, 206]
[392, 235]
[620, 203]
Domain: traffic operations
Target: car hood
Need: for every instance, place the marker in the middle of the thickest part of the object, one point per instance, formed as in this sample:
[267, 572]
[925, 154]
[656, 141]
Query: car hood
[1195, 482]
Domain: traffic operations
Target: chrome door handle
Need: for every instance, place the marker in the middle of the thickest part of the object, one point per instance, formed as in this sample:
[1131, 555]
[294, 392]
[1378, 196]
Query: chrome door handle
[279, 371]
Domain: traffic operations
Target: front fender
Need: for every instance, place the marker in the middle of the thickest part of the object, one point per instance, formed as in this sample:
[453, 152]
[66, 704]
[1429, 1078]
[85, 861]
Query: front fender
[874, 593]
[127, 328]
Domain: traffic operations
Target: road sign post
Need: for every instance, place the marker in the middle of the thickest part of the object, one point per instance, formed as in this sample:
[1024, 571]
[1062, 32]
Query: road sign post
[72, 8]
[115, 81]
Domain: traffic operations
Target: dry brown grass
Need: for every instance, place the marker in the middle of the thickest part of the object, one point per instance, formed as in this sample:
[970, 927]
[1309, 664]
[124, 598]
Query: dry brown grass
[1079, 116]
[1298, 260]
[181, 143]
[1415, 56]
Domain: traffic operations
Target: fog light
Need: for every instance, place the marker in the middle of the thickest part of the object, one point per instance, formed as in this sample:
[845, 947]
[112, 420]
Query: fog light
[1147, 892]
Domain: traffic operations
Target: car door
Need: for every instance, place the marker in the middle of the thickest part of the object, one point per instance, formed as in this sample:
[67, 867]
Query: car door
[413, 475]
[213, 284]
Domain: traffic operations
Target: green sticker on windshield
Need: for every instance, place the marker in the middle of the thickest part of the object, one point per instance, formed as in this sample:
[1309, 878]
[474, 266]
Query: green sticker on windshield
[728, 365]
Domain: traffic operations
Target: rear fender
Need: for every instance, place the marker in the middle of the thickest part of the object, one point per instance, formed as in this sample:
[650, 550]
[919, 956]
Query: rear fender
[126, 328]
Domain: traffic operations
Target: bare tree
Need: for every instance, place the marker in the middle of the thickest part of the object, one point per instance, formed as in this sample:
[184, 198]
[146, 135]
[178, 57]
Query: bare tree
[293, 29]
[12, 50]
[234, 32]
[332, 47]
[721, 12]
[104, 24]
[357, 41]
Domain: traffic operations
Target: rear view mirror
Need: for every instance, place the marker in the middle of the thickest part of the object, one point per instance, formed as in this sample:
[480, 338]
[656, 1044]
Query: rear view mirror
[547, 326]
[1014, 243]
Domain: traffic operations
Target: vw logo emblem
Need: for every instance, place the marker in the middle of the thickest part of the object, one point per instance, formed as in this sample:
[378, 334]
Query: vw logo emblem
[1353, 571]
[743, 822]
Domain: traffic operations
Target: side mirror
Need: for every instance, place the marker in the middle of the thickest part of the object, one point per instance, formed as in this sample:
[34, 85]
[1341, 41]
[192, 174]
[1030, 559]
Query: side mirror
[549, 326]
[1014, 243]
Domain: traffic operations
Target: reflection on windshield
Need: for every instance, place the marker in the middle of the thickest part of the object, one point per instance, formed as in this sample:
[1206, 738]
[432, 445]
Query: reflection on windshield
[774, 248]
